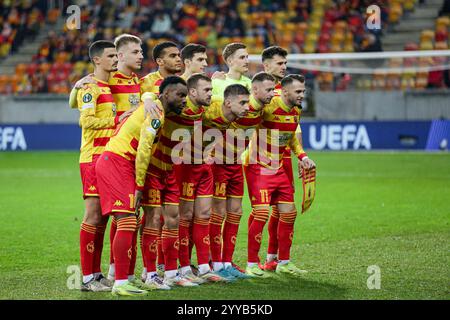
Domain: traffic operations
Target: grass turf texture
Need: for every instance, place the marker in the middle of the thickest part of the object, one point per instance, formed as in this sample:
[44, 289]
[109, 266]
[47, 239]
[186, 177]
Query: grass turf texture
[384, 209]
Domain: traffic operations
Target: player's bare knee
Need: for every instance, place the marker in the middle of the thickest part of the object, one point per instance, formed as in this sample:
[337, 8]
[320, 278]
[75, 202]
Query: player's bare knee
[93, 212]
[186, 211]
[171, 217]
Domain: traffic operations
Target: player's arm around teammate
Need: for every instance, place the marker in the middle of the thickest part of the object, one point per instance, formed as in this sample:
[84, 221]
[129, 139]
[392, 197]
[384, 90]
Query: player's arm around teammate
[97, 111]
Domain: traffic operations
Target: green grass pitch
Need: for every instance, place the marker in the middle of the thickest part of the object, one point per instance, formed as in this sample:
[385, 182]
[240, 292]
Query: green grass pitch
[391, 210]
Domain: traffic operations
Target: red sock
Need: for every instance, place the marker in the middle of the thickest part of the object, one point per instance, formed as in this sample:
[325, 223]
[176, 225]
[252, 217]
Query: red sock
[141, 240]
[230, 231]
[122, 246]
[191, 241]
[250, 218]
[183, 235]
[112, 232]
[150, 248]
[98, 245]
[286, 234]
[87, 248]
[215, 236]
[200, 234]
[255, 234]
[273, 228]
[170, 244]
[134, 248]
[160, 249]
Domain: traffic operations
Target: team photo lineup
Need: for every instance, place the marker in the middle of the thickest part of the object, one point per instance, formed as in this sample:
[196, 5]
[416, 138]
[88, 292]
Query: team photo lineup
[191, 153]
[126, 163]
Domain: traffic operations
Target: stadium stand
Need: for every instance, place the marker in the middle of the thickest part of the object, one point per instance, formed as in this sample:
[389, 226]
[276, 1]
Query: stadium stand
[303, 26]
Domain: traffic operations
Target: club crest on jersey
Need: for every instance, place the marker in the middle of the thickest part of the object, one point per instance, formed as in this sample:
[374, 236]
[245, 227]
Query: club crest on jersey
[114, 108]
[87, 98]
[133, 99]
[156, 124]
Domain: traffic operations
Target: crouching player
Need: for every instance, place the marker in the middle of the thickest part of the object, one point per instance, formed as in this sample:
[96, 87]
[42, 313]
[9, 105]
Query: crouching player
[121, 172]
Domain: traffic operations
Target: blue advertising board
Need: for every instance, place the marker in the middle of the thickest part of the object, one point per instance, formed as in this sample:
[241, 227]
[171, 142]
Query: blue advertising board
[370, 135]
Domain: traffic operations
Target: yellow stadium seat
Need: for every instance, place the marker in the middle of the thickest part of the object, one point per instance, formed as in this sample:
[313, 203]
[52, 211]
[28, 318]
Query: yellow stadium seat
[315, 25]
[302, 27]
[348, 47]
[395, 12]
[340, 26]
[443, 21]
[338, 36]
[421, 81]
[309, 47]
[426, 45]
[335, 48]
[441, 45]
[21, 68]
[312, 37]
[409, 4]
[426, 35]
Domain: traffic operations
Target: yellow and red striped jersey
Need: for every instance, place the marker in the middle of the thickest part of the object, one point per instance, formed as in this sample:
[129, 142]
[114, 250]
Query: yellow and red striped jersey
[162, 156]
[280, 123]
[126, 91]
[151, 82]
[248, 123]
[97, 119]
[214, 118]
[278, 88]
[133, 140]
[190, 119]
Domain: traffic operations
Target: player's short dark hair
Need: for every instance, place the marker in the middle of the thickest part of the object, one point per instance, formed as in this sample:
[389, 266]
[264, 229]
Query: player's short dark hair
[235, 90]
[231, 48]
[262, 76]
[158, 50]
[291, 78]
[270, 52]
[195, 78]
[97, 47]
[125, 39]
[191, 49]
[170, 80]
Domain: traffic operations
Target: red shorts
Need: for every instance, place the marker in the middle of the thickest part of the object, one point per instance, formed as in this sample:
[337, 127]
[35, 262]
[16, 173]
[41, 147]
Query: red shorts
[196, 180]
[228, 181]
[268, 189]
[159, 189]
[116, 183]
[89, 179]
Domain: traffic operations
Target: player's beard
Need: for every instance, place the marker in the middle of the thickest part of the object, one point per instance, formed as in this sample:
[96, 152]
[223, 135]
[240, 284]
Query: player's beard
[175, 70]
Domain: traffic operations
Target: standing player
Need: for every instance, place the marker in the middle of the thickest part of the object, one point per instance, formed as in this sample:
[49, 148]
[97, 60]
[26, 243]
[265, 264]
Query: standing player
[125, 88]
[194, 58]
[196, 182]
[121, 173]
[220, 115]
[229, 181]
[97, 120]
[235, 56]
[268, 182]
[167, 56]
[275, 63]
[162, 198]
